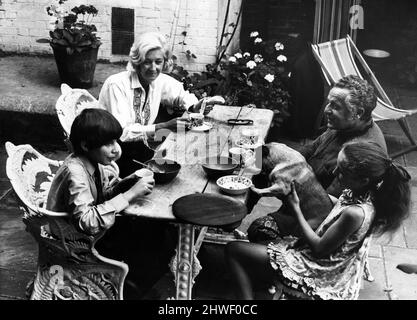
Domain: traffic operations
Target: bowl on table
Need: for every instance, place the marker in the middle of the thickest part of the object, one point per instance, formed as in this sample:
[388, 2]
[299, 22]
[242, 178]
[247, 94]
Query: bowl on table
[218, 166]
[234, 184]
[164, 170]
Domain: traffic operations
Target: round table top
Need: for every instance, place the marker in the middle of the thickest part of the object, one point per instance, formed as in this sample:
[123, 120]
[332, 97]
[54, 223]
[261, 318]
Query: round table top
[207, 209]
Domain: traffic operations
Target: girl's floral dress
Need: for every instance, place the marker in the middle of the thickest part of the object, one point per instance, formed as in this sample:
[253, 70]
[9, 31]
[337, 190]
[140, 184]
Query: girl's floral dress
[337, 276]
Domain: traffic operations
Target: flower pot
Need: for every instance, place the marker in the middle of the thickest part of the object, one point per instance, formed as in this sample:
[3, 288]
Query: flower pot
[76, 69]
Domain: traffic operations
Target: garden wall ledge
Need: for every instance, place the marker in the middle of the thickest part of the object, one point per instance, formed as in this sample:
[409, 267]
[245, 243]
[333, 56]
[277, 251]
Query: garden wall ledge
[30, 84]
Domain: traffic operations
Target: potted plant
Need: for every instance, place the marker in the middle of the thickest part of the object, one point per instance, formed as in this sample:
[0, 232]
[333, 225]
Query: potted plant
[74, 42]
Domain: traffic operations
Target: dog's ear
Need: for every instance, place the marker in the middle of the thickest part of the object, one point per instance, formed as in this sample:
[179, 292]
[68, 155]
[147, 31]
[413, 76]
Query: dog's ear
[265, 151]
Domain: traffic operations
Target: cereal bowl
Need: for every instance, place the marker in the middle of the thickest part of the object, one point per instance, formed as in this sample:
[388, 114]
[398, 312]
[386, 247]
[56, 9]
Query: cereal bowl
[234, 184]
[164, 170]
[219, 166]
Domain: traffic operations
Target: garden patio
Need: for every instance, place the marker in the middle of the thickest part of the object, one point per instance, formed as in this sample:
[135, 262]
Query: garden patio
[205, 35]
[28, 93]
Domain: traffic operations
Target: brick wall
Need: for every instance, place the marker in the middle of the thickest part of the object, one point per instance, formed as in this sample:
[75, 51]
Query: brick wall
[22, 22]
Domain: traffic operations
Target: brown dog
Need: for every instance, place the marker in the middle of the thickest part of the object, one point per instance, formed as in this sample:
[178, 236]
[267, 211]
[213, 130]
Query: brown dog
[282, 165]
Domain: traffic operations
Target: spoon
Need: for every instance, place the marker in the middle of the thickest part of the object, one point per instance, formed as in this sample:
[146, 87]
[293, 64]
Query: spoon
[203, 106]
[241, 171]
[143, 164]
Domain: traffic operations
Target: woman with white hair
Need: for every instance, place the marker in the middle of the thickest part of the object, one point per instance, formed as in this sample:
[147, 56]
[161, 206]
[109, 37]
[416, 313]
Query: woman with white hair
[134, 97]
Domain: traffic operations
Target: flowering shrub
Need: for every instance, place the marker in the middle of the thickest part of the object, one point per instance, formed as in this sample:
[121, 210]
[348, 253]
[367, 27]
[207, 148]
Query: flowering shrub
[73, 30]
[256, 76]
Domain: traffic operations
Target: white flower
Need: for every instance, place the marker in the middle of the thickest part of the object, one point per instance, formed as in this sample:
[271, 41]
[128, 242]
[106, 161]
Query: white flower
[279, 46]
[232, 59]
[238, 55]
[281, 58]
[251, 64]
[246, 54]
[60, 10]
[254, 34]
[269, 77]
[51, 26]
[258, 58]
[258, 40]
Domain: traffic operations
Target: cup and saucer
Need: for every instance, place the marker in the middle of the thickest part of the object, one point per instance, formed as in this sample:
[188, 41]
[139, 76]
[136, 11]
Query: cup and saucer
[246, 158]
[249, 139]
[198, 124]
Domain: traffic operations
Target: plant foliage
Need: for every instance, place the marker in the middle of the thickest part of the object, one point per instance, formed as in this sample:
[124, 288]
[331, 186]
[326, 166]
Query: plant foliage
[73, 30]
[257, 76]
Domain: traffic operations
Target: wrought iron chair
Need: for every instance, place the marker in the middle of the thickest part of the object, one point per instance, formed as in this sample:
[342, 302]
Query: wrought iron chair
[337, 59]
[69, 267]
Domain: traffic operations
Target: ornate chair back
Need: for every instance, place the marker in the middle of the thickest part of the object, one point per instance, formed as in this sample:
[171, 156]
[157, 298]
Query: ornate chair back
[69, 267]
[70, 104]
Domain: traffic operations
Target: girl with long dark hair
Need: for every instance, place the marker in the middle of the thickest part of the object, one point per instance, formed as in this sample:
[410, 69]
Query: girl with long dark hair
[328, 263]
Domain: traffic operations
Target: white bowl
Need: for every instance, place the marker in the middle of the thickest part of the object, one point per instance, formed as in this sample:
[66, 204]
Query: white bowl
[234, 184]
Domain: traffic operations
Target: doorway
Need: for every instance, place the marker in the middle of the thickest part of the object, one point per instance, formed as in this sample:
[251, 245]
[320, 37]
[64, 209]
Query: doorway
[288, 21]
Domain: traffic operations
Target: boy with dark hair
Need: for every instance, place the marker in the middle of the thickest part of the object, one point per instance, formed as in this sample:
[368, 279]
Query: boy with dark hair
[82, 187]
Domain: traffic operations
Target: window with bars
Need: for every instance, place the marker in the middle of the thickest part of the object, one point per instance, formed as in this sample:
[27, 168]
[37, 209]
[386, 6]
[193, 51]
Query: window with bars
[122, 30]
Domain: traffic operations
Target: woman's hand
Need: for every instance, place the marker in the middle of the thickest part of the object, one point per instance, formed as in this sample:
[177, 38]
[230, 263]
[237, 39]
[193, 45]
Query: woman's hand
[142, 187]
[176, 124]
[209, 104]
[292, 197]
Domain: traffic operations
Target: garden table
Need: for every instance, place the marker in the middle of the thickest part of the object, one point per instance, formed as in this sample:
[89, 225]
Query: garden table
[190, 148]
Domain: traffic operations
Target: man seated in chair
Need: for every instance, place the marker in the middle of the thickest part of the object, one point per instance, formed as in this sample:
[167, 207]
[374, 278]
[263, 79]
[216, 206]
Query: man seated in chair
[349, 118]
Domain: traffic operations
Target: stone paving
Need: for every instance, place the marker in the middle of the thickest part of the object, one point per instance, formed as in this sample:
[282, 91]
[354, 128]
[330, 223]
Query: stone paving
[18, 250]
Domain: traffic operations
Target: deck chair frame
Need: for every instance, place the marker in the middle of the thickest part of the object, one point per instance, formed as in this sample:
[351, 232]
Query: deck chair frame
[345, 48]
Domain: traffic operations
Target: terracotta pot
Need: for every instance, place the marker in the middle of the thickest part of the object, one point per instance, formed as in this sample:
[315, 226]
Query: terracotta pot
[76, 69]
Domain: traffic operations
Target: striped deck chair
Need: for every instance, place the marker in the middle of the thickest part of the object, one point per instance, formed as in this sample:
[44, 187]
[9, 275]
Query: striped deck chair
[336, 59]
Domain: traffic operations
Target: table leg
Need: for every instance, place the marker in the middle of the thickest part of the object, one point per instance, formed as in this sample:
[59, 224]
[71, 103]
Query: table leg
[185, 265]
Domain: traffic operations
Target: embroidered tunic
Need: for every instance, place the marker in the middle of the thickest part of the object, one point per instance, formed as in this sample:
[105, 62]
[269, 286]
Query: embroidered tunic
[123, 96]
[337, 276]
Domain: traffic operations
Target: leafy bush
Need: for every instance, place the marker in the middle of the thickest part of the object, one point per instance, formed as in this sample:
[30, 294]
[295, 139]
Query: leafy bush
[256, 76]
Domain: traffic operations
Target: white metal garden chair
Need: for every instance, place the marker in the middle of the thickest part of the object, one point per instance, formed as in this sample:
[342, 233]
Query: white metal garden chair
[69, 267]
[337, 59]
[68, 106]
